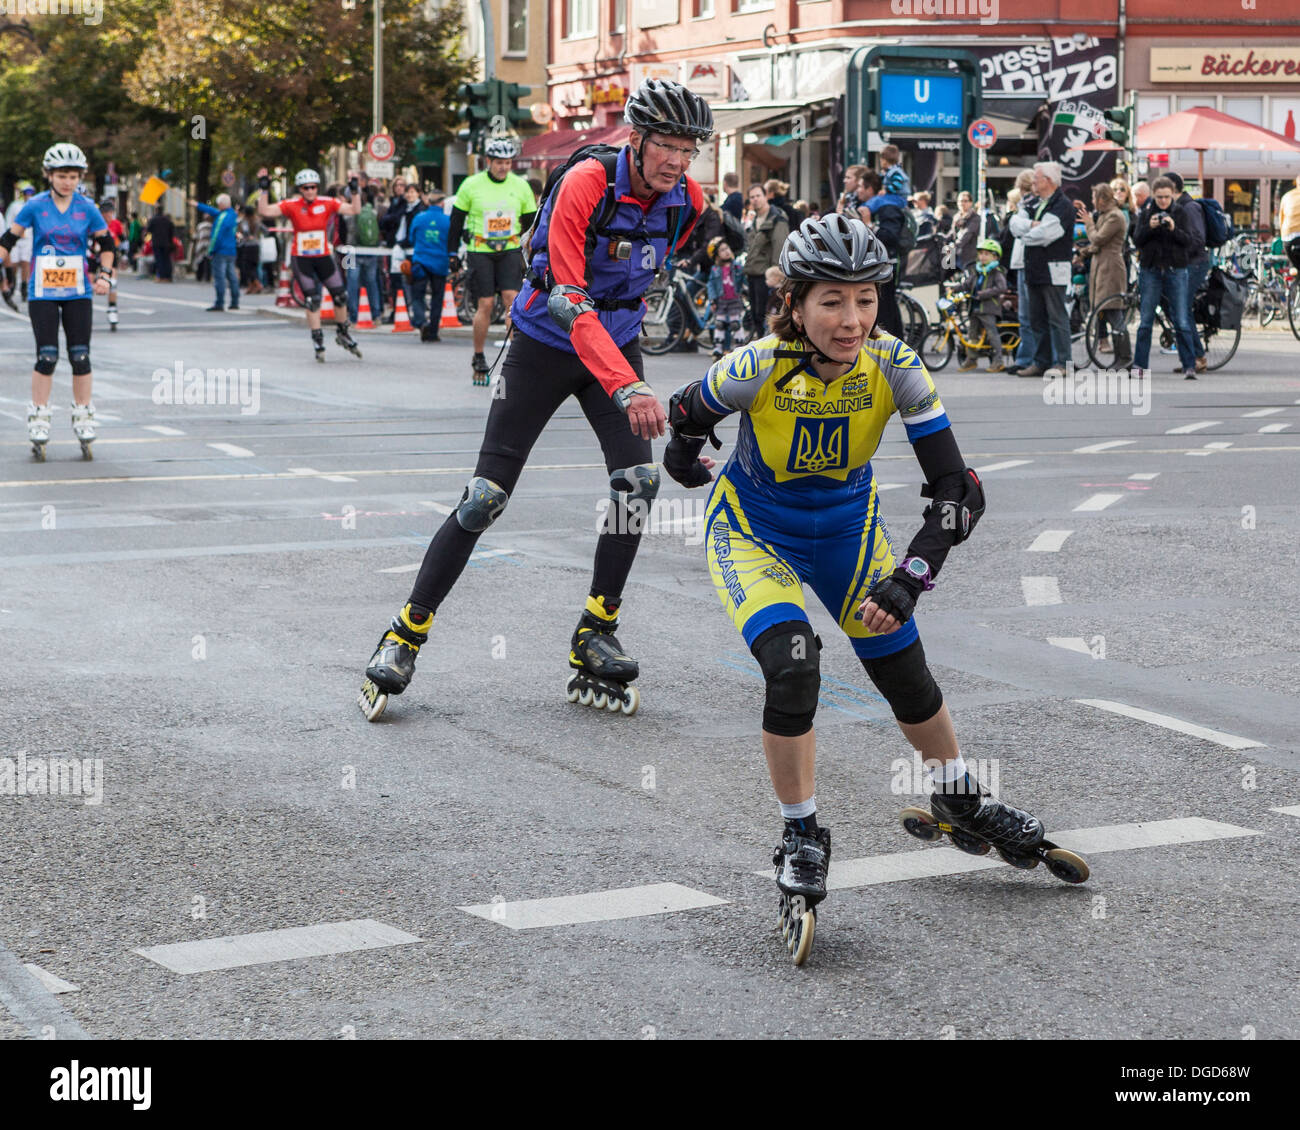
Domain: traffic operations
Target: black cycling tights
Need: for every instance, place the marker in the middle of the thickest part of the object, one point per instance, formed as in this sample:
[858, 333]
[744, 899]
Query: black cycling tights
[536, 380]
[76, 314]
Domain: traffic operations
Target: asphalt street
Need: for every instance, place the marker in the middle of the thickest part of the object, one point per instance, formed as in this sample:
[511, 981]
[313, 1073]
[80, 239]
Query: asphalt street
[193, 611]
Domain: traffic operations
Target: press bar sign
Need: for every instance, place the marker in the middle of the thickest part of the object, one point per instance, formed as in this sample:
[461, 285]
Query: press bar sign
[920, 101]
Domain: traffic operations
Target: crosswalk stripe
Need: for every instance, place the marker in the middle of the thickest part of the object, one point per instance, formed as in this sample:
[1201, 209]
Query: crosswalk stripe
[1289, 810]
[1262, 412]
[1185, 429]
[1006, 466]
[598, 906]
[1232, 741]
[50, 981]
[233, 449]
[1105, 445]
[1070, 643]
[1049, 541]
[239, 950]
[1041, 590]
[1098, 502]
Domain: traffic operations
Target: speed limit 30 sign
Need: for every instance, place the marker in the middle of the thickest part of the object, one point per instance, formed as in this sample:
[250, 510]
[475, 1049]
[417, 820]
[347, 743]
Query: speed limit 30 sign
[381, 146]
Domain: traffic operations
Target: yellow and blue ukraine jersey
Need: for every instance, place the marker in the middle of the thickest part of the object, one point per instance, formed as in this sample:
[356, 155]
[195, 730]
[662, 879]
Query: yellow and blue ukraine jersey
[797, 500]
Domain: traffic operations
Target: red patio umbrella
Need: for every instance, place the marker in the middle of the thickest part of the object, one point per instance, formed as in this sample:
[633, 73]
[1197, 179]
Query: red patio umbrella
[1102, 143]
[1201, 128]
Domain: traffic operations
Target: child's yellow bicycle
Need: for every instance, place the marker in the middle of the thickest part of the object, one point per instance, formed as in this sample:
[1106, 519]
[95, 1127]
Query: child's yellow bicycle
[939, 342]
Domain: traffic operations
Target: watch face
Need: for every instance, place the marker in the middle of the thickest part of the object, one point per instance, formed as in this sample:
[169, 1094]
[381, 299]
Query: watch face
[917, 567]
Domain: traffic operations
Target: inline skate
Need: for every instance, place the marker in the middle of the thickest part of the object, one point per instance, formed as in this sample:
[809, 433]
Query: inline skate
[602, 670]
[83, 426]
[318, 344]
[347, 341]
[38, 429]
[393, 663]
[480, 367]
[802, 861]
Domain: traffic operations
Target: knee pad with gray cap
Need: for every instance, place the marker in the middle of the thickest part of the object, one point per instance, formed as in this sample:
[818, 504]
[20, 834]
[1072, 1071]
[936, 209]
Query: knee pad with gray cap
[633, 490]
[789, 654]
[79, 356]
[480, 505]
[47, 357]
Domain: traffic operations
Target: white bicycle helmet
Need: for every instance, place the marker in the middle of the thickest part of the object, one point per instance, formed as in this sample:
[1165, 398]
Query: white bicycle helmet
[835, 249]
[503, 147]
[64, 155]
[306, 176]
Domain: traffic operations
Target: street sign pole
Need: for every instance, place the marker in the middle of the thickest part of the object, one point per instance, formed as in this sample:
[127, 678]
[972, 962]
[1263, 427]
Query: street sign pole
[983, 162]
[377, 101]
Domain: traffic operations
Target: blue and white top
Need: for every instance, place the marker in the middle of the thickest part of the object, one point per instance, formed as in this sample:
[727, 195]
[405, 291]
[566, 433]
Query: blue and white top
[60, 242]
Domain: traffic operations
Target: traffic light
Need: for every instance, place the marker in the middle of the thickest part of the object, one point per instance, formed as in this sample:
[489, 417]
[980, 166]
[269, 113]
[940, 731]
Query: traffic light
[477, 108]
[513, 113]
[1122, 133]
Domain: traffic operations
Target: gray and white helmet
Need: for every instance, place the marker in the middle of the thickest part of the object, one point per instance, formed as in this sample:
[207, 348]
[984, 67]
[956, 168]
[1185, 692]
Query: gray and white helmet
[306, 176]
[64, 155]
[835, 249]
[660, 105]
[503, 147]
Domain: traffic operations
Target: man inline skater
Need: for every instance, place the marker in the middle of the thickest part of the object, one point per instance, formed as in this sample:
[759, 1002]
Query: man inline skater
[492, 209]
[312, 260]
[577, 320]
[63, 223]
[797, 503]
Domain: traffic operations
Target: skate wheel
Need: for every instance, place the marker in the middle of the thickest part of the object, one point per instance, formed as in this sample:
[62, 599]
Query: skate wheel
[921, 824]
[599, 700]
[802, 941]
[38, 452]
[585, 696]
[372, 701]
[571, 688]
[969, 844]
[613, 704]
[633, 701]
[1067, 866]
[86, 452]
[1019, 862]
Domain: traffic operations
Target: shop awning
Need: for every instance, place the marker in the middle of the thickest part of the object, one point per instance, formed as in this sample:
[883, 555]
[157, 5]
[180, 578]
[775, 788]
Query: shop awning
[558, 144]
[746, 118]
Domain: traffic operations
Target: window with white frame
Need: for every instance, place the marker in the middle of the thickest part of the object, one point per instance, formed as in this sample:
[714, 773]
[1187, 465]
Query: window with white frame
[579, 18]
[703, 9]
[618, 16]
[516, 27]
[752, 5]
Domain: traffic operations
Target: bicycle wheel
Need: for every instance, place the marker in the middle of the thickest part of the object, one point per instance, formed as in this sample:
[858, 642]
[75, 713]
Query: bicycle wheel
[912, 314]
[499, 312]
[1270, 306]
[936, 347]
[1101, 325]
[1220, 345]
[464, 304]
[664, 320]
[295, 292]
[1293, 308]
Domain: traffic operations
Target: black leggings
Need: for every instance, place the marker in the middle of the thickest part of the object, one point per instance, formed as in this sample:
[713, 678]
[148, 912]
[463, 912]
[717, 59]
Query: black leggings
[313, 271]
[536, 380]
[76, 314]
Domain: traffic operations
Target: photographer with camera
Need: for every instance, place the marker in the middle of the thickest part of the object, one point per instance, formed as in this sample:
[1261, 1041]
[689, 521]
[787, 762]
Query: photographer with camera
[1163, 241]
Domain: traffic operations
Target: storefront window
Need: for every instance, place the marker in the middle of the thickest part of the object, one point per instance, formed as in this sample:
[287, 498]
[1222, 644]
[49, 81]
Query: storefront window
[1248, 110]
[1241, 202]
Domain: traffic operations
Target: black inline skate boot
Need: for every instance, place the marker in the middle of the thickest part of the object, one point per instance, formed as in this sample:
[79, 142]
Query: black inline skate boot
[602, 670]
[346, 340]
[393, 662]
[977, 824]
[480, 367]
[318, 344]
[802, 860]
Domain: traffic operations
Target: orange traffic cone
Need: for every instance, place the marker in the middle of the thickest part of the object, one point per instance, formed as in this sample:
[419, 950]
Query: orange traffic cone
[401, 319]
[364, 320]
[449, 318]
[282, 295]
[327, 308]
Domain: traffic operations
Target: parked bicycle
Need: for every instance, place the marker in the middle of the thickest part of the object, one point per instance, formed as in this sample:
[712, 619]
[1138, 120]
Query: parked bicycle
[1121, 313]
[676, 306]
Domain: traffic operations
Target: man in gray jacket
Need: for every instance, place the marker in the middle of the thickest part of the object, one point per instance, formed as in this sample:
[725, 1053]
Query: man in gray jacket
[1198, 260]
[1047, 229]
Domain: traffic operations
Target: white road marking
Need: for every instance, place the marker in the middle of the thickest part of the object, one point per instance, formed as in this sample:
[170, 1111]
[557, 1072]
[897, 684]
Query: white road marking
[478, 555]
[898, 866]
[51, 982]
[1094, 448]
[1070, 643]
[1268, 428]
[889, 486]
[311, 471]
[1187, 428]
[599, 906]
[1289, 810]
[1099, 501]
[1041, 590]
[163, 430]
[1145, 476]
[1262, 412]
[1049, 541]
[275, 945]
[235, 450]
[110, 391]
[403, 568]
[437, 507]
[1231, 741]
[1003, 466]
[1211, 448]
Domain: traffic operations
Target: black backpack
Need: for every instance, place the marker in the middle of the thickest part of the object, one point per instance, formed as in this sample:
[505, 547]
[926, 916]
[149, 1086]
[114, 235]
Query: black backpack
[733, 231]
[679, 217]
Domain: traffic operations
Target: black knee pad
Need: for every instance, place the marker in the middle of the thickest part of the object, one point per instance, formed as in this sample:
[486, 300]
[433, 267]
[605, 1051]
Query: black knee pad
[640, 485]
[79, 356]
[906, 684]
[789, 654]
[47, 357]
[313, 300]
[340, 297]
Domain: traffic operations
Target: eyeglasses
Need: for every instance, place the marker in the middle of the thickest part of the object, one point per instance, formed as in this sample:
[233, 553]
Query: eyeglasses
[688, 155]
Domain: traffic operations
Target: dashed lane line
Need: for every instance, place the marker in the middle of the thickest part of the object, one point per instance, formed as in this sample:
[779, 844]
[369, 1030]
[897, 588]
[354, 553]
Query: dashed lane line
[1070, 643]
[32, 1005]
[1211, 448]
[311, 472]
[930, 863]
[1289, 810]
[1041, 590]
[477, 555]
[52, 983]
[1098, 502]
[1186, 429]
[266, 946]
[1145, 476]
[1105, 445]
[1049, 541]
[1273, 428]
[235, 451]
[598, 906]
[163, 430]
[1005, 466]
[1262, 412]
[1230, 741]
